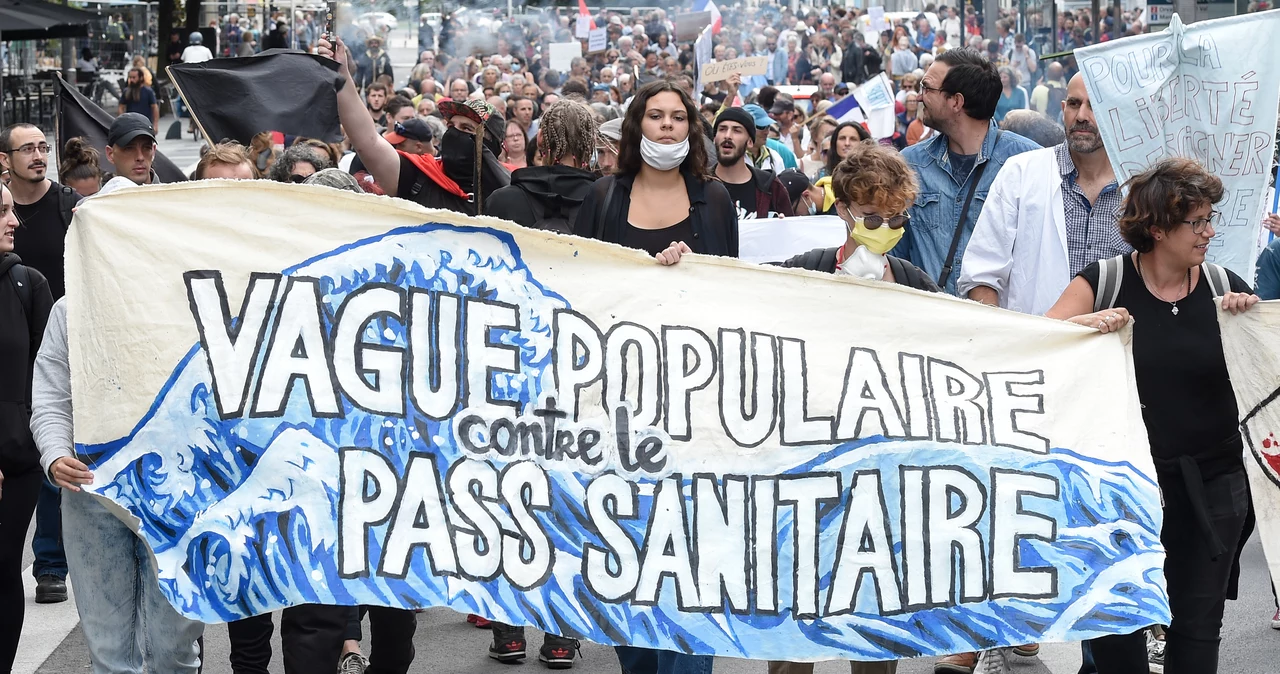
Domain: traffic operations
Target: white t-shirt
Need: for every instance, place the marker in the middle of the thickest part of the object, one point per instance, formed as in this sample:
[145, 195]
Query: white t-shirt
[196, 53]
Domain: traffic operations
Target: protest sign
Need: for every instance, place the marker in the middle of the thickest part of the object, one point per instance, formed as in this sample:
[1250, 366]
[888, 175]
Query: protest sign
[347, 399]
[597, 41]
[748, 65]
[1203, 91]
[876, 17]
[702, 52]
[563, 54]
[691, 24]
[1253, 358]
[582, 27]
[875, 99]
[778, 239]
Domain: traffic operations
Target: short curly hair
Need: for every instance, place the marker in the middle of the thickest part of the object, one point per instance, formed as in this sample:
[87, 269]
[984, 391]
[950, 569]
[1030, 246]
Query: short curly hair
[1162, 196]
[877, 176]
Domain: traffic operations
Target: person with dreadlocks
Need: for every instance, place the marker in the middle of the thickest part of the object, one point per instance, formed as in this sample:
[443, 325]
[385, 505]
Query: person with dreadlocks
[467, 170]
[548, 195]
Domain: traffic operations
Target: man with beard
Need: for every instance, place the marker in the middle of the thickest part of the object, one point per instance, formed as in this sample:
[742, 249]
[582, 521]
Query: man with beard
[955, 168]
[1066, 194]
[448, 182]
[44, 209]
[373, 63]
[141, 99]
[375, 99]
[755, 192]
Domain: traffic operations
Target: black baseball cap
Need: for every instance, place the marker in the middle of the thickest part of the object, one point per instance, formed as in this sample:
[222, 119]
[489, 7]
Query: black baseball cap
[127, 127]
[410, 129]
[783, 103]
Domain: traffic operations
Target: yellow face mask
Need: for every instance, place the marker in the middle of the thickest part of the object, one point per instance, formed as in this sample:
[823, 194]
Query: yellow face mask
[880, 240]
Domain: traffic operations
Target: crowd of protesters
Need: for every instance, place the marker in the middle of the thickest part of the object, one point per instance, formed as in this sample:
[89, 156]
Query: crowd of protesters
[992, 144]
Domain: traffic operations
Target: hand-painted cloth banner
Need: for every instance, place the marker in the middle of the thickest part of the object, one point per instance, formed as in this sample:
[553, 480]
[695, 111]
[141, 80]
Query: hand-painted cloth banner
[305, 395]
[1253, 358]
[779, 239]
[1204, 91]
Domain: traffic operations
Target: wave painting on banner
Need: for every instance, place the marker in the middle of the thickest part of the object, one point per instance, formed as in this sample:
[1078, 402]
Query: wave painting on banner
[346, 405]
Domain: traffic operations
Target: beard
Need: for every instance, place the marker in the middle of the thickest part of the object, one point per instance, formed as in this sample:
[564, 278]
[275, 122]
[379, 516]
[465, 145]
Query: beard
[1084, 144]
[730, 156]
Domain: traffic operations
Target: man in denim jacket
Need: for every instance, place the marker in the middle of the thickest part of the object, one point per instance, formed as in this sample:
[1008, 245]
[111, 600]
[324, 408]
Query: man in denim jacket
[958, 97]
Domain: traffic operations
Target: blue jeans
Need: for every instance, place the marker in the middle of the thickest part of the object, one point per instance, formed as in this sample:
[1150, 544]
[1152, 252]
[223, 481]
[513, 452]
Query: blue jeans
[126, 620]
[46, 545]
[652, 661]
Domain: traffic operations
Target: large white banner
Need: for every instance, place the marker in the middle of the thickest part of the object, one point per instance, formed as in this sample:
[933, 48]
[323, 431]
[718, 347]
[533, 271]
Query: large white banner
[1208, 91]
[303, 395]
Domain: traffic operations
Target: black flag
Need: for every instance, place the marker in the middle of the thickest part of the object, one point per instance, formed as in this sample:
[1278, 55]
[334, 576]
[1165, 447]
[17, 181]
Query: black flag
[278, 90]
[79, 116]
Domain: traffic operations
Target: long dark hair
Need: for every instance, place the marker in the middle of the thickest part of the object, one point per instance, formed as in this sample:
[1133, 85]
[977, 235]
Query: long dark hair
[629, 160]
[833, 159]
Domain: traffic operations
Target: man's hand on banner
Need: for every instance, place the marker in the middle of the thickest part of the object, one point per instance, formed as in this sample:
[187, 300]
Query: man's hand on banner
[673, 253]
[1108, 320]
[1238, 303]
[68, 472]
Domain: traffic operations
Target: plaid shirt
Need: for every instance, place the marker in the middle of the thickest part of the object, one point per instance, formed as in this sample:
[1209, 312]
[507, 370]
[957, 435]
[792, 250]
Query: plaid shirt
[1092, 234]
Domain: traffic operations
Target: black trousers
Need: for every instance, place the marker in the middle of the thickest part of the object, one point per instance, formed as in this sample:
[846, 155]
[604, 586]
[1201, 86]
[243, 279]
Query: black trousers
[390, 639]
[310, 638]
[17, 503]
[1198, 581]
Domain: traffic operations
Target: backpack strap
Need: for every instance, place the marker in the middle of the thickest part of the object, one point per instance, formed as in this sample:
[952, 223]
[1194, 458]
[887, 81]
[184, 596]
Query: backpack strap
[1219, 283]
[67, 202]
[1110, 274]
[22, 285]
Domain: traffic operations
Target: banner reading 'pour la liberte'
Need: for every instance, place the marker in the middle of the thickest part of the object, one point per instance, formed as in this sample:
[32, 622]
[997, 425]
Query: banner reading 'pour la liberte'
[305, 395]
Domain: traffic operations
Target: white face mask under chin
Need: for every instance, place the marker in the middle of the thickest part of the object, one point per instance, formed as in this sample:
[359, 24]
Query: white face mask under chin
[864, 264]
[663, 157]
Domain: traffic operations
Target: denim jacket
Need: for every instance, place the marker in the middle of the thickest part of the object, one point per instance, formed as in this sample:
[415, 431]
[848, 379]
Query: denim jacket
[937, 208]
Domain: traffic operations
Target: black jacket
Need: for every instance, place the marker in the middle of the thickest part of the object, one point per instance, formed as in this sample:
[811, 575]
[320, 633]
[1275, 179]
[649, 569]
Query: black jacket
[542, 197]
[715, 220]
[20, 336]
[904, 273]
[852, 68]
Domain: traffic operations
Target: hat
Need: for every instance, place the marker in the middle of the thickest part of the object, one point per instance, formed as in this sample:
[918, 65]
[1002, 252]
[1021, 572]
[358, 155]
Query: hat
[335, 178]
[736, 115]
[477, 111]
[612, 129]
[128, 126]
[795, 182]
[800, 27]
[783, 103]
[411, 129]
[758, 114]
[373, 37]
[600, 86]
[842, 89]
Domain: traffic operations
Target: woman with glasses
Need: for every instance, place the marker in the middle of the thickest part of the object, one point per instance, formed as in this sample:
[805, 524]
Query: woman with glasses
[1188, 405]
[298, 163]
[515, 145]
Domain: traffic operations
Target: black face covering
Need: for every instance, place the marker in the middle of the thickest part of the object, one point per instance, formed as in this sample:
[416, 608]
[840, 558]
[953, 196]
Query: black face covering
[458, 152]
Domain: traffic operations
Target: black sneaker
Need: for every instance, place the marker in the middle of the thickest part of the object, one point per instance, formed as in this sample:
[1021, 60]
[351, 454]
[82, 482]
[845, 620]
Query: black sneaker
[50, 589]
[508, 643]
[558, 652]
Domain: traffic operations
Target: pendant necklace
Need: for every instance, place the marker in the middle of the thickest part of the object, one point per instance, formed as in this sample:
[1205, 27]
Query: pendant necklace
[1155, 292]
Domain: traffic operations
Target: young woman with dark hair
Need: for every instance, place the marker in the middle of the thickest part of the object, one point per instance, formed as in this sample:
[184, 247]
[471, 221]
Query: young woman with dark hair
[663, 198]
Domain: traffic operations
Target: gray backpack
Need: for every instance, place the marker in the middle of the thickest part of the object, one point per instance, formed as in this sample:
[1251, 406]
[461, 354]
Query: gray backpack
[1111, 273]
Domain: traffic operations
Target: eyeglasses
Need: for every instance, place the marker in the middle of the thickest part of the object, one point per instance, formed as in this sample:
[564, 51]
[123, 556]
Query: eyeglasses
[874, 221]
[922, 88]
[30, 148]
[1198, 226]
[295, 178]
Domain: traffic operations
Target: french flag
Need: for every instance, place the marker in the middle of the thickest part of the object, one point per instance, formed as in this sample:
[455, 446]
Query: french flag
[707, 6]
[846, 110]
[584, 14]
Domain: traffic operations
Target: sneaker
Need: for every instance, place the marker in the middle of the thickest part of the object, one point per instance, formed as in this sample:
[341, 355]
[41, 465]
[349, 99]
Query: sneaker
[1275, 620]
[558, 652]
[1027, 650]
[1155, 654]
[50, 589]
[508, 644]
[352, 663]
[960, 663]
[482, 623]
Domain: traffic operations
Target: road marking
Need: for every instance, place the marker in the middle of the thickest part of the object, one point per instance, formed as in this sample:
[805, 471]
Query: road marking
[44, 628]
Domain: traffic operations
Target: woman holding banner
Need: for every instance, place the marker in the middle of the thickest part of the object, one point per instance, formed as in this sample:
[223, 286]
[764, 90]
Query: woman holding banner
[1188, 405]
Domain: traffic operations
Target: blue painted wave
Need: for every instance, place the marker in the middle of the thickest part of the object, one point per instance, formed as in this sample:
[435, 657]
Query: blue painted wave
[242, 513]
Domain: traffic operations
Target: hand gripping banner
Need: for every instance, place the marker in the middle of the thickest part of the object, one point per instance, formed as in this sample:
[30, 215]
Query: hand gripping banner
[303, 395]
